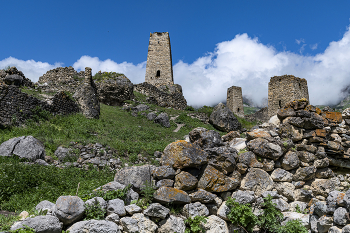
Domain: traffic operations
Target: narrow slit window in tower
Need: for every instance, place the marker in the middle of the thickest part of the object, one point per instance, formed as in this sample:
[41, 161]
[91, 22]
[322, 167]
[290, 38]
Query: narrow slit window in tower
[237, 109]
[158, 73]
[280, 103]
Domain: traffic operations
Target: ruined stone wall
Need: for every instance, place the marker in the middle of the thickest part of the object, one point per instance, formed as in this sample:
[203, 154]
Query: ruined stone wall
[283, 89]
[175, 100]
[235, 100]
[159, 69]
[16, 107]
[61, 79]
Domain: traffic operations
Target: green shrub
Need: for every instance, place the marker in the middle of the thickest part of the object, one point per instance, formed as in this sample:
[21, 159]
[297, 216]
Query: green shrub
[194, 224]
[94, 211]
[241, 215]
[271, 218]
[189, 108]
[147, 192]
[108, 195]
[206, 109]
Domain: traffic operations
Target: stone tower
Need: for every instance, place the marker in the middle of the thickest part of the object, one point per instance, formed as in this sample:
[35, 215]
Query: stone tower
[235, 100]
[283, 89]
[159, 69]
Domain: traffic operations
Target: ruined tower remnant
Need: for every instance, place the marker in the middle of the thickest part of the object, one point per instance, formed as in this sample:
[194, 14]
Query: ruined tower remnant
[235, 100]
[159, 69]
[283, 89]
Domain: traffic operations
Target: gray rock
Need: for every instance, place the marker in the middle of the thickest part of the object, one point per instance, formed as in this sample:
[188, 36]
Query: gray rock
[334, 229]
[265, 149]
[324, 223]
[222, 158]
[69, 209]
[182, 154]
[116, 206]
[213, 180]
[41, 224]
[45, 205]
[215, 224]
[205, 138]
[257, 180]
[281, 175]
[286, 189]
[163, 120]
[313, 222]
[273, 194]
[98, 200]
[223, 119]
[202, 196]
[305, 156]
[130, 196]
[13, 79]
[41, 162]
[304, 173]
[290, 161]
[340, 216]
[324, 173]
[321, 163]
[113, 218]
[129, 225]
[62, 152]
[114, 90]
[281, 205]
[249, 159]
[138, 223]
[87, 98]
[301, 206]
[171, 225]
[137, 176]
[163, 172]
[171, 195]
[185, 181]
[165, 182]
[320, 208]
[131, 209]
[195, 209]
[7, 147]
[151, 116]
[156, 210]
[223, 211]
[29, 148]
[346, 229]
[141, 107]
[93, 226]
[332, 201]
[243, 197]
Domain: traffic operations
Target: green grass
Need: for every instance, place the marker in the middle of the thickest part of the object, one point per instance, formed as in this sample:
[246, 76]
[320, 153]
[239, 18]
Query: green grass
[99, 77]
[7, 221]
[250, 110]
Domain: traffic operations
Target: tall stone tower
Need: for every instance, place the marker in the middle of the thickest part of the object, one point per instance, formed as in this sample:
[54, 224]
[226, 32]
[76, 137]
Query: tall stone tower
[283, 89]
[159, 69]
[235, 100]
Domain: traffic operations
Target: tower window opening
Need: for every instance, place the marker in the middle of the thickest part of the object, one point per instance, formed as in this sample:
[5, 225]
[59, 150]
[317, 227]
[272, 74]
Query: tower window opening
[158, 73]
[237, 109]
[280, 103]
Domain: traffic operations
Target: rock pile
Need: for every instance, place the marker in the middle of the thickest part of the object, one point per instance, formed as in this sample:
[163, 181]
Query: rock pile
[12, 76]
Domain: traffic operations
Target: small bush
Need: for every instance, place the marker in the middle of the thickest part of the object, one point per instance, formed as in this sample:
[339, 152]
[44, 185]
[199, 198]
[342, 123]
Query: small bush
[193, 224]
[241, 215]
[189, 108]
[94, 211]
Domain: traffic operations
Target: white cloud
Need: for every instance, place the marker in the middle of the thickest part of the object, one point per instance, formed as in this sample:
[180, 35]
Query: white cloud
[314, 46]
[242, 61]
[30, 68]
[300, 41]
[136, 73]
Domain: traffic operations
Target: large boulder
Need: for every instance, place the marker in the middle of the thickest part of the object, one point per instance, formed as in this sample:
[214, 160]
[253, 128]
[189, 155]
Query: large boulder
[263, 148]
[185, 181]
[113, 89]
[94, 226]
[116, 206]
[40, 224]
[163, 120]
[87, 97]
[223, 119]
[257, 180]
[69, 209]
[26, 147]
[171, 195]
[182, 154]
[205, 138]
[213, 180]
[137, 176]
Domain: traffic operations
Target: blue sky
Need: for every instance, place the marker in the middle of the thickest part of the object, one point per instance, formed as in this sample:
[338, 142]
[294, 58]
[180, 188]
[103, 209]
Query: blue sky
[215, 44]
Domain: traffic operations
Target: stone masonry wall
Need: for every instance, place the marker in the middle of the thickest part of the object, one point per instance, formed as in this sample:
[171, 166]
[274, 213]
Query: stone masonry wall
[159, 69]
[235, 100]
[175, 100]
[16, 107]
[283, 89]
[61, 79]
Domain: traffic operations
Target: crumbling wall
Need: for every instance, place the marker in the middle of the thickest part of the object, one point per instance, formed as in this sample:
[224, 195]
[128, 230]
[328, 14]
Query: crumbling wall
[283, 89]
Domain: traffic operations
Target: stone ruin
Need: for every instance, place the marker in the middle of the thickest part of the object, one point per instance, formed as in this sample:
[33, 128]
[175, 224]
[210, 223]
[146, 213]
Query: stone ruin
[283, 89]
[159, 69]
[235, 100]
